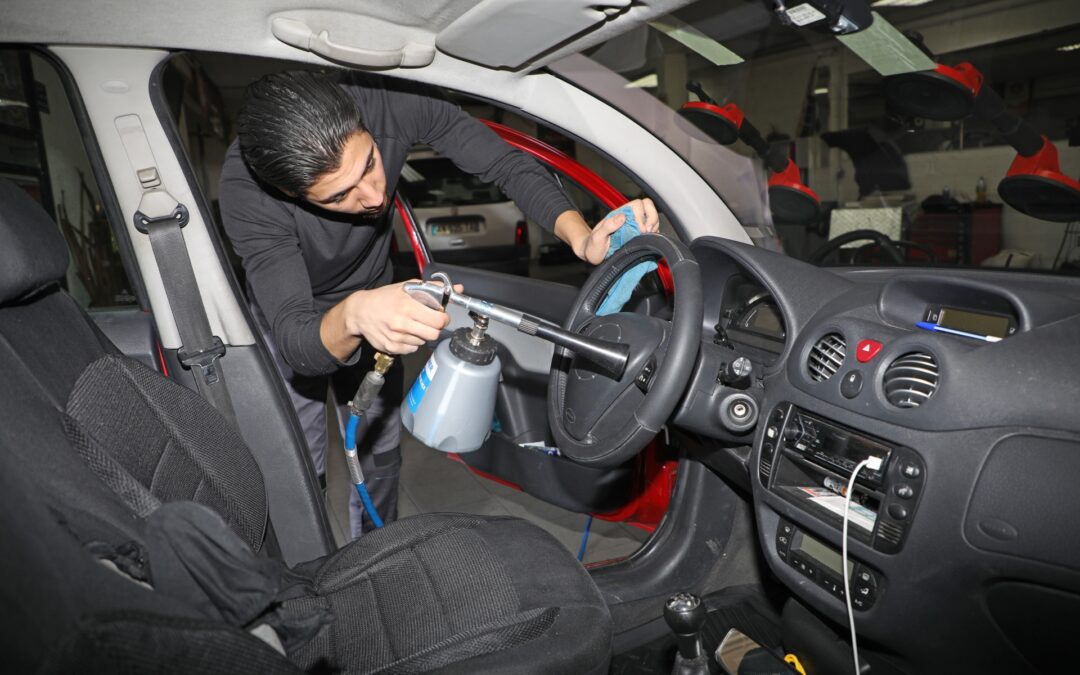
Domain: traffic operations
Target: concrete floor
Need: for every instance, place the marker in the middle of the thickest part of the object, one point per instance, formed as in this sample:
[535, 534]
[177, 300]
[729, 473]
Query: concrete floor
[432, 482]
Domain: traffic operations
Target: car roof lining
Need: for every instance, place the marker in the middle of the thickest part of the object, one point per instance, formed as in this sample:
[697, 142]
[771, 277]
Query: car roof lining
[497, 34]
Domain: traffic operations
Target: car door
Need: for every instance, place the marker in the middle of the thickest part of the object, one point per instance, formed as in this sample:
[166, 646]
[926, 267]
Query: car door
[519, 450]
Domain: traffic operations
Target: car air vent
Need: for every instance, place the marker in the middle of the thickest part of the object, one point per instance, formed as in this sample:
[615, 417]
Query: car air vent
[826, 357]
[911, 379]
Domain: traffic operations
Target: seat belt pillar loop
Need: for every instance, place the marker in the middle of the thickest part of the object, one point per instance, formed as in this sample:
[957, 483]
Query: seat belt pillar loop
[162, 218]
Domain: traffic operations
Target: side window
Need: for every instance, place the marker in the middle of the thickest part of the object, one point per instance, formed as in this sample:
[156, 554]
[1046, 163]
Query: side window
[42, 150]
[467, 222]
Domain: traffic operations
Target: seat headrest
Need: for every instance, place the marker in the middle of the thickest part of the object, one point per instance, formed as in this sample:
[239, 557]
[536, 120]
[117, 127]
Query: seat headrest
[33, 253]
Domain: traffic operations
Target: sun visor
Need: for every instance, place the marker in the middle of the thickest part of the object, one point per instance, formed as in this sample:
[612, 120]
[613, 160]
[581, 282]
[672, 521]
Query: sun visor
[879, 164]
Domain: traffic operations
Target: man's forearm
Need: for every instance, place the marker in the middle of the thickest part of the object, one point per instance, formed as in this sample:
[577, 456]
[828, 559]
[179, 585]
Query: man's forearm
[339, 339]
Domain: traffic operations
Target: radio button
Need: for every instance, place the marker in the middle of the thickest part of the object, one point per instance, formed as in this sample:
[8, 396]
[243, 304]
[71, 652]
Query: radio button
[904, 491]
[898, 511]
[910, 470]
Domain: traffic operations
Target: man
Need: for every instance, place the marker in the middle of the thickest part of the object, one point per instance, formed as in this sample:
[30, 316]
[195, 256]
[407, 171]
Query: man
[305, 191]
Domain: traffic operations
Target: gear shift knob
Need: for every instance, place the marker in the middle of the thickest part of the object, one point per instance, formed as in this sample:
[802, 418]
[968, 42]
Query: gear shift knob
[685, 615]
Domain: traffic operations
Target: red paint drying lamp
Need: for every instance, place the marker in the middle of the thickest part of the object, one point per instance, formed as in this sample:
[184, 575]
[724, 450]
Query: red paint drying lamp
[790, 201]
[1034, 184]
[721, 123]
[945, 94]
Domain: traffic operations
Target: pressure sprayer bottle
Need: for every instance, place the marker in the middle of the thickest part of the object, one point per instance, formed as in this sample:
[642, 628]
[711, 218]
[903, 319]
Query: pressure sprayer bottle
[450, 405]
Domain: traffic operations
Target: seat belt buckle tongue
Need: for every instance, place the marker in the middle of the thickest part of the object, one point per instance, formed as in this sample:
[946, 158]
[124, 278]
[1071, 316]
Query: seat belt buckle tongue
[205, 360]
[179, 215]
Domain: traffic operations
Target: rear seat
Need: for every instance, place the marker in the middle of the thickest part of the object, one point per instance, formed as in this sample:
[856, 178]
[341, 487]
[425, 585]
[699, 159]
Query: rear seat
[136, 533]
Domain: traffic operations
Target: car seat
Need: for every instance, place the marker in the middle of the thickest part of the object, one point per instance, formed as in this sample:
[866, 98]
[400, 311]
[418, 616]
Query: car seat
[137, 535]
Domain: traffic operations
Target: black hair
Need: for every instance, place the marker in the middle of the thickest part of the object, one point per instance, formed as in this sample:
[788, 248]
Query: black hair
[293, 126]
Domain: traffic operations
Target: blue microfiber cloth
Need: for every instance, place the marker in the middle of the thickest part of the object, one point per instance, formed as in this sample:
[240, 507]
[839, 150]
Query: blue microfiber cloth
[619, 293]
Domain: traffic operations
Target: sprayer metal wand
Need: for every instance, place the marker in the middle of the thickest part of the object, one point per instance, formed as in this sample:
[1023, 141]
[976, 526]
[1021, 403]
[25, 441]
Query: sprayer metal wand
[365, 395]
[611, 356]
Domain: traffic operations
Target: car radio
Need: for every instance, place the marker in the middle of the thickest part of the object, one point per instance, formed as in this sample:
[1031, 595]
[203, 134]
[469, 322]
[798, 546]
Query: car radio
[833, 447]
[808, 460]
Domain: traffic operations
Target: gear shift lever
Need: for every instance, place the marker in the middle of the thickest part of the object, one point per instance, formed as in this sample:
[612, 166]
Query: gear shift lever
[685, 615]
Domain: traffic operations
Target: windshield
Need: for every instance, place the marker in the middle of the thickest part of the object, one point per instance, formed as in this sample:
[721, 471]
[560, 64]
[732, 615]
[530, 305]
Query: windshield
[937, 132]
[433, 182]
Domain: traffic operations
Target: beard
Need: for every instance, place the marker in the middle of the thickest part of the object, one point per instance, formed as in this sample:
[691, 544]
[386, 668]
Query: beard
[378, 212]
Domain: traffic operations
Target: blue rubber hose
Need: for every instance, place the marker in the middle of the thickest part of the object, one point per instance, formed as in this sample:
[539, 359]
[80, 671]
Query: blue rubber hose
[358, 475]
[350, 432]
[369, 505]
[584, 538]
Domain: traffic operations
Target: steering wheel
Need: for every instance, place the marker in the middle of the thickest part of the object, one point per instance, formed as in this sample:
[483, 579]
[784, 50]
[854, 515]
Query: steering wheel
[888, 246]
[601, 421]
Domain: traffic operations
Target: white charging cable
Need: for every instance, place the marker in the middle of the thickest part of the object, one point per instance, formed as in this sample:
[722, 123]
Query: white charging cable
[872, 463]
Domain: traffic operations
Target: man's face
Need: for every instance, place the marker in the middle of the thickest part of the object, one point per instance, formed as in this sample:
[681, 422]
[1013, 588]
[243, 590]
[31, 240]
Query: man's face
[358, 185]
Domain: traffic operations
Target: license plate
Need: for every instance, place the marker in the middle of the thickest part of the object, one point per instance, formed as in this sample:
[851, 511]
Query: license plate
[454, 227]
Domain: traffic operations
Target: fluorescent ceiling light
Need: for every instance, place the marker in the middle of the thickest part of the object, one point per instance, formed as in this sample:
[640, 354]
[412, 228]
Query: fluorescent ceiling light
[899, 3]
[650, 81]
[1069, 48]
[821, 90]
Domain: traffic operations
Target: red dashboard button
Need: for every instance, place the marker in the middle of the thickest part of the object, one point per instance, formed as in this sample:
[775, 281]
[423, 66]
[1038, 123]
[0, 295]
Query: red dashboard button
[867, 350]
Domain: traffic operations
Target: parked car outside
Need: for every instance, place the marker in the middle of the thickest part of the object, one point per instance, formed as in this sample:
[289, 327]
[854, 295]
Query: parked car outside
[464, 220]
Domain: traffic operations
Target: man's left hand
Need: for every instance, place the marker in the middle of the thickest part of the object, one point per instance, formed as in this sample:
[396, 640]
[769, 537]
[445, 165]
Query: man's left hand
[594, 247]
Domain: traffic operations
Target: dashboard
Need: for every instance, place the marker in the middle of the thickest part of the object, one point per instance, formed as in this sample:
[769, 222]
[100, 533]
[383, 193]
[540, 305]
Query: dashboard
[964, 552]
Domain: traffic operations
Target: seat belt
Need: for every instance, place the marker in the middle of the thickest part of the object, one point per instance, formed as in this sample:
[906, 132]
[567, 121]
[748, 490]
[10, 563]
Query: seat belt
[162, 218]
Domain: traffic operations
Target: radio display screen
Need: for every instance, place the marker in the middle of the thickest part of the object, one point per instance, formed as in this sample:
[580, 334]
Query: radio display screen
[820, 553]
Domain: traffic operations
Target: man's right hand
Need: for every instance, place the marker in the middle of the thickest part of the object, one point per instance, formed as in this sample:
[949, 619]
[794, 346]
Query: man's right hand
[390, 320]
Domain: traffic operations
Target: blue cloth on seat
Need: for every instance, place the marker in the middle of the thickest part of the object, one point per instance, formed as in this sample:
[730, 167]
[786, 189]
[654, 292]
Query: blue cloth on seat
[620, 292]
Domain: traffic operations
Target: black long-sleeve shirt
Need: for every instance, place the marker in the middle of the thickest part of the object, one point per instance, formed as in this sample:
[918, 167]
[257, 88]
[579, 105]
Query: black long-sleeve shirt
[301, 260]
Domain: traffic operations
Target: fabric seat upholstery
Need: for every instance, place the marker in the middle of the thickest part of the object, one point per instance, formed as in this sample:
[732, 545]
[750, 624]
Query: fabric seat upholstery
[99, 448]
[487, 594]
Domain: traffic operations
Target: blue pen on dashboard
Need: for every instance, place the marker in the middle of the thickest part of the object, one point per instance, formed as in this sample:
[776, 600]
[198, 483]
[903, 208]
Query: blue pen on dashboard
[926, 325]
